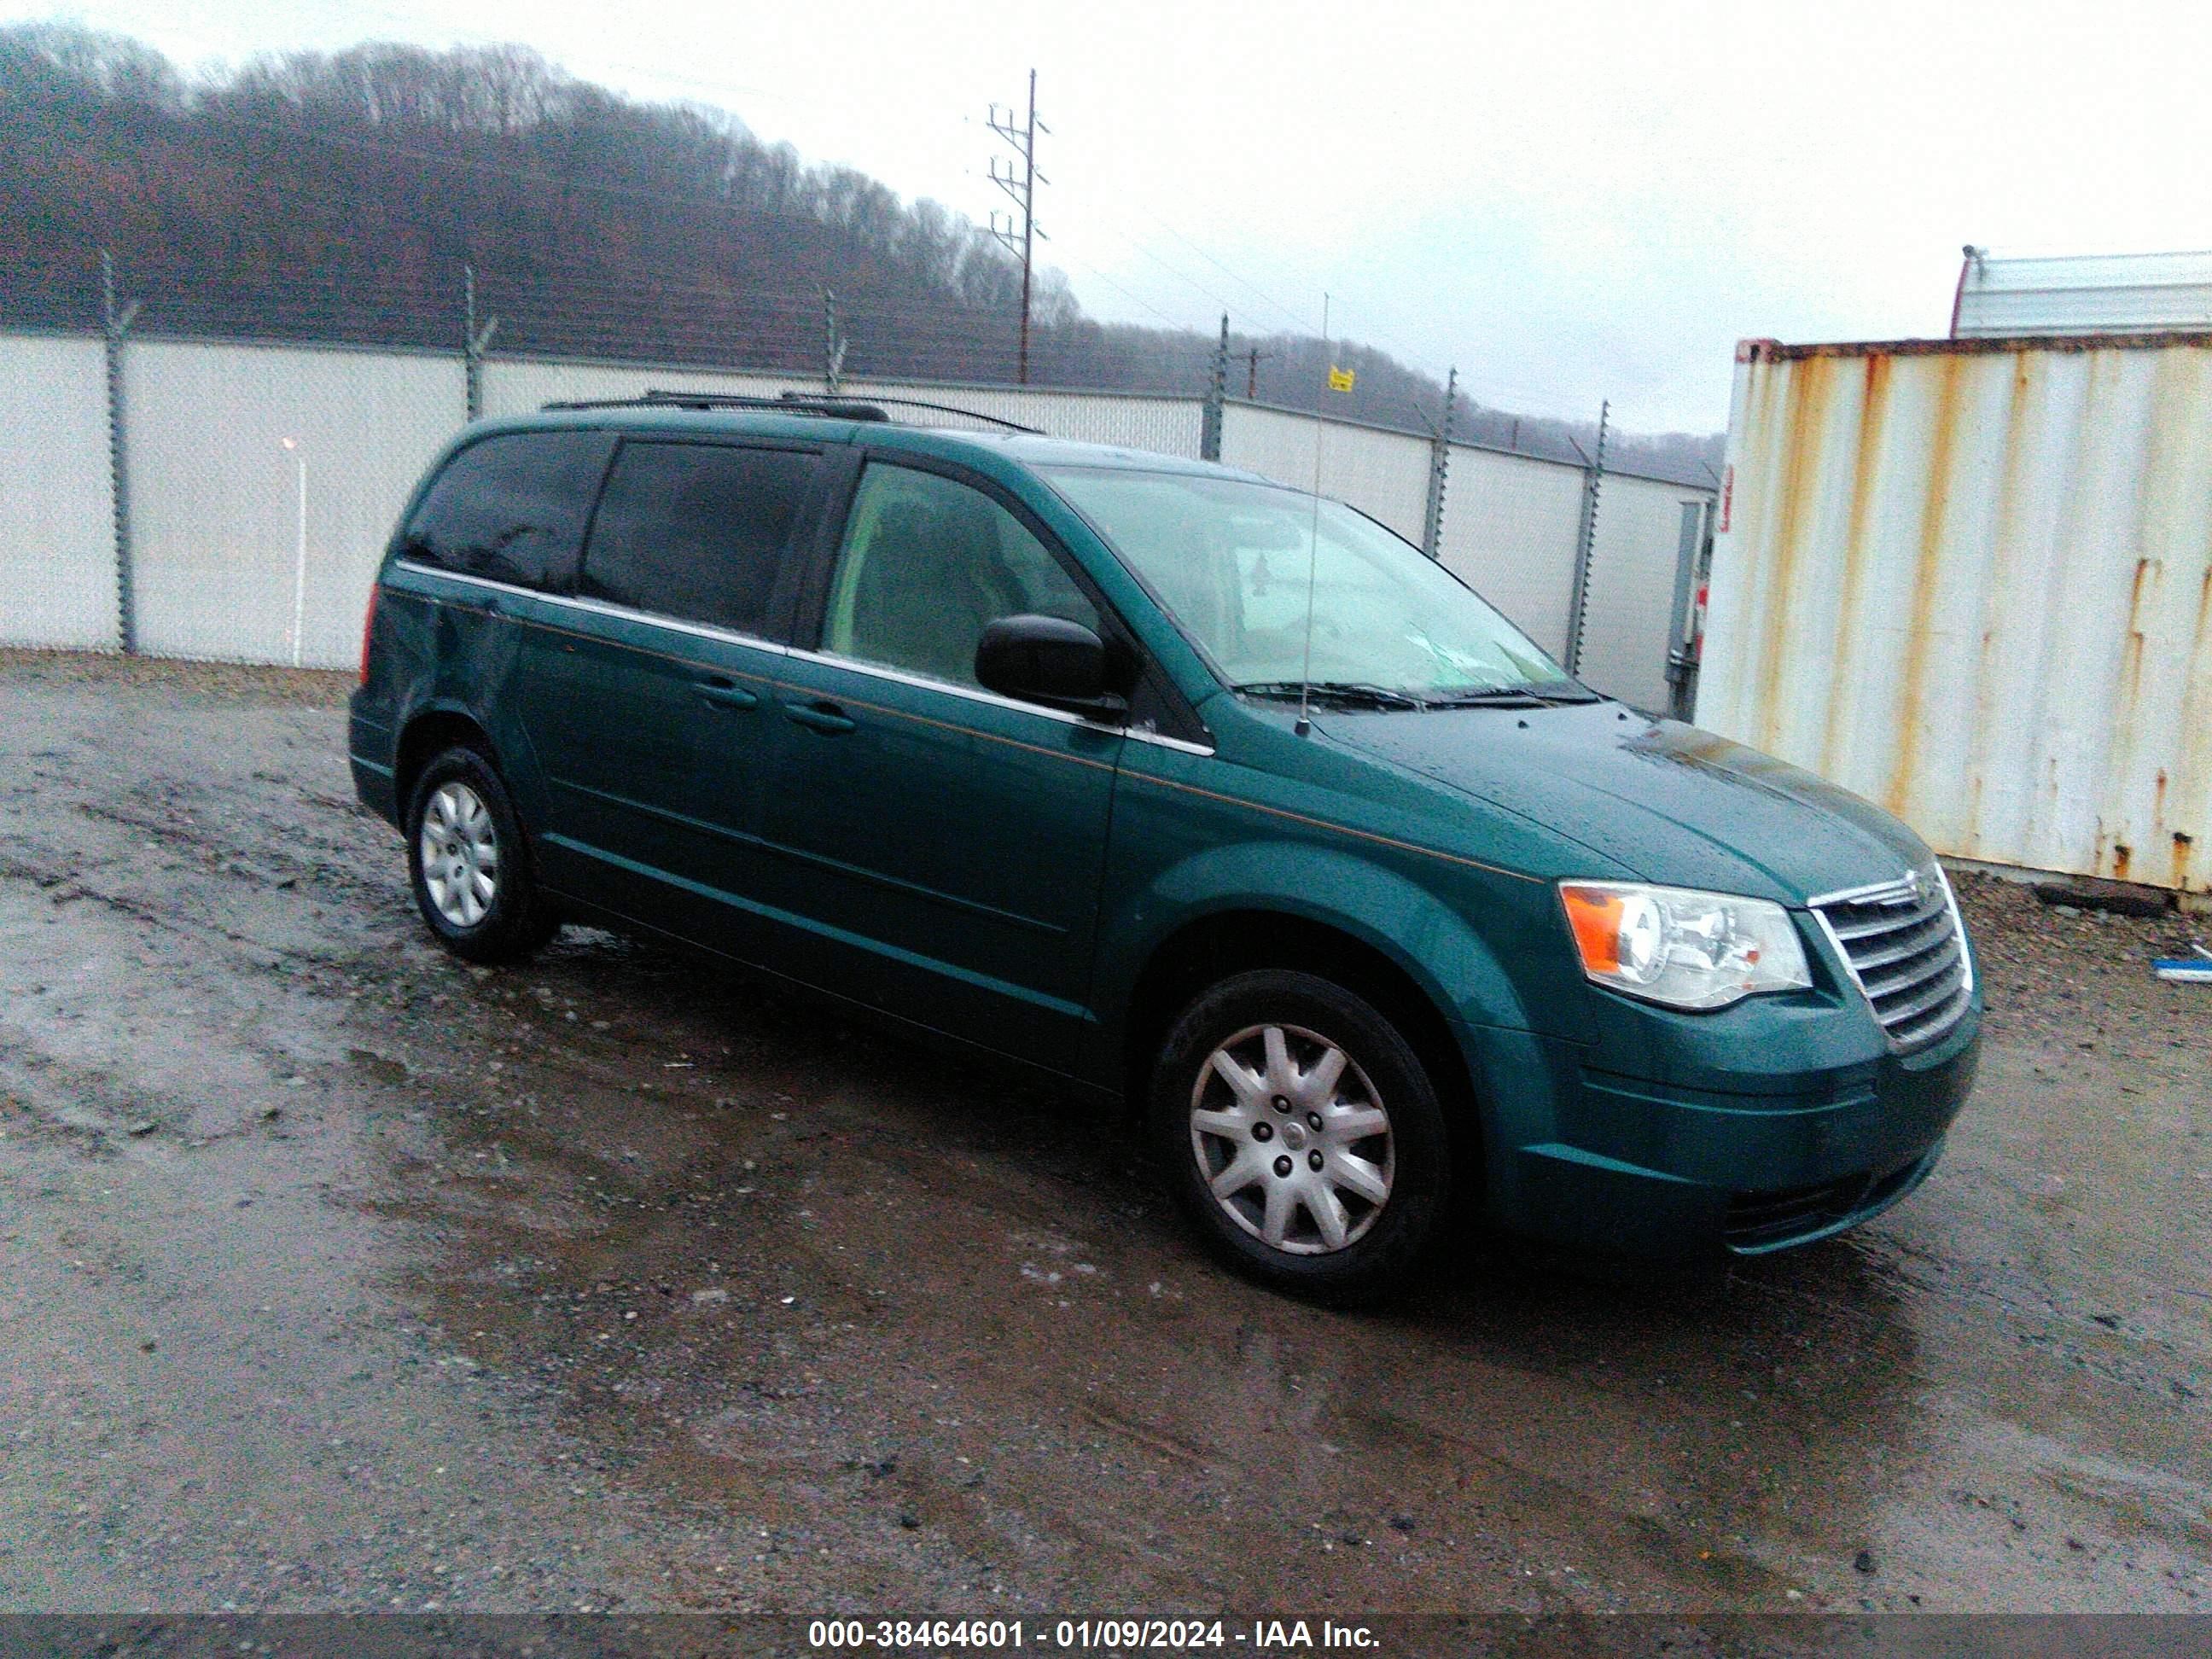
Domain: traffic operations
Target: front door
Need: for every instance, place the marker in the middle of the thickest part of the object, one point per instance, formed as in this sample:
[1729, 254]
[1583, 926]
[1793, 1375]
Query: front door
[937, 848]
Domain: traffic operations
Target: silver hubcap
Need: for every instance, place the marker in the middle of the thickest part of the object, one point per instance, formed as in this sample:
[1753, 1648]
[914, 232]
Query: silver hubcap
[460, 855]
[1293, 1139]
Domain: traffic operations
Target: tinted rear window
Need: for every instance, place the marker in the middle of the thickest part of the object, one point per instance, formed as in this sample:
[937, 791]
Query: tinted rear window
[511, 508]
[697, 531]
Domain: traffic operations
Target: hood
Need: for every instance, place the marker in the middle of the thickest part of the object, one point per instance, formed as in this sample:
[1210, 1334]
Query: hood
[1673, 804]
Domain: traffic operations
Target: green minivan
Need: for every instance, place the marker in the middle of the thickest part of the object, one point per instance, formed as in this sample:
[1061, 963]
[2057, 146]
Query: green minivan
[1206, 794]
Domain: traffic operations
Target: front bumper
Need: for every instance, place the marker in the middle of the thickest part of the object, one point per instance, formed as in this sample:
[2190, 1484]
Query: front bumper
[1591, 1160]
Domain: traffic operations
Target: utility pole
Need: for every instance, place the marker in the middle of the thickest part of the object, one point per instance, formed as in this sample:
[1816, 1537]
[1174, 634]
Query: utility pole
[1020, 186]
[1252, 355]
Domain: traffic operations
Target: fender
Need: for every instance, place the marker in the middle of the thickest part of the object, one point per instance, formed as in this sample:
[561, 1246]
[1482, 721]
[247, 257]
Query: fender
[1436, 945]
[453, 657]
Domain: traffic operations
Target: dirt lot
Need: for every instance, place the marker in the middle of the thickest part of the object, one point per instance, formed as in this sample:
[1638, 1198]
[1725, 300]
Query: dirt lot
[335, 1275]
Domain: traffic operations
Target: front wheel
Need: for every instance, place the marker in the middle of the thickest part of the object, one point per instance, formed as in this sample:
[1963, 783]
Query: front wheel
[468, 865]
[1302, 1133]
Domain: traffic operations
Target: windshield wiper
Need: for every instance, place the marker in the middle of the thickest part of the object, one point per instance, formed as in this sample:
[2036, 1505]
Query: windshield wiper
[1352, 694]
[1489, 697]
[1513, 696]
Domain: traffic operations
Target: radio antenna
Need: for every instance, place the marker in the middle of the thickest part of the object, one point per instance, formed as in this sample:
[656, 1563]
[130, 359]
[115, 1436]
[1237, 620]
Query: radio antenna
[1313, 540]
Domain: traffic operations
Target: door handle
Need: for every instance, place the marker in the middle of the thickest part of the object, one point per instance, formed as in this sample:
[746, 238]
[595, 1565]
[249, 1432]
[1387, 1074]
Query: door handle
[819, 715]
[724, 694]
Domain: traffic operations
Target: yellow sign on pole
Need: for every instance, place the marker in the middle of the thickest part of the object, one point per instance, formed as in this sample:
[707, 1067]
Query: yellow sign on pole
[1340, 379]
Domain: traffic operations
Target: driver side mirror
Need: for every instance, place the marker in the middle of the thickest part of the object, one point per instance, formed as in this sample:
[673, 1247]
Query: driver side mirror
[1048, 661]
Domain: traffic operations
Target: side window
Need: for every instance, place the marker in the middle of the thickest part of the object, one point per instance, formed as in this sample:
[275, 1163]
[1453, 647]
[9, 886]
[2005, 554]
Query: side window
[696, 531]
[928, 563]
[511, 508]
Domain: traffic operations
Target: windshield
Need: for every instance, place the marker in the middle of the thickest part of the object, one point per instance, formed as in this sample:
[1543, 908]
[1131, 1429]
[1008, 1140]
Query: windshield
[1230, 559]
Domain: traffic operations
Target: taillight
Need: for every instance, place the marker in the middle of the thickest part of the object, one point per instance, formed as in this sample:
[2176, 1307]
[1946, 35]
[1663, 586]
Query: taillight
[368, 627]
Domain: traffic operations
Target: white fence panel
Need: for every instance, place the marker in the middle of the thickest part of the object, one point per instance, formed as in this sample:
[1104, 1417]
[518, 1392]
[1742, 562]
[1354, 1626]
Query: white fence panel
[1385, 474]
[1165, 426]
[1626, 612]
[57, 537]
[1509, 533]
[1168, 425]
[214, 495]
[515, 386]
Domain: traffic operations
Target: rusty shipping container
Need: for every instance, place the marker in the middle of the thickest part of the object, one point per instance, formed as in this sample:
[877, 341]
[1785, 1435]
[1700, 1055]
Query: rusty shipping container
[1971, 580]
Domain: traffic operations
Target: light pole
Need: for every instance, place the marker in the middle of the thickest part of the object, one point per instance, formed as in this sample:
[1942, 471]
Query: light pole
[300, 551]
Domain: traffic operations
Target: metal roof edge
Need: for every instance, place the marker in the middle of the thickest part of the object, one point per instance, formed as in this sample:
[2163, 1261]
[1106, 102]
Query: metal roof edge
[1976, 344]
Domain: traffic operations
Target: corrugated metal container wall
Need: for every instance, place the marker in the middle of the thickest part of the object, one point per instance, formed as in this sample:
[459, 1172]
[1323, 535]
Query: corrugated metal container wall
[1971, 580]
[215, 494]
[56, 538]
[1382, 473]
[1632, 589]
[1509, 533]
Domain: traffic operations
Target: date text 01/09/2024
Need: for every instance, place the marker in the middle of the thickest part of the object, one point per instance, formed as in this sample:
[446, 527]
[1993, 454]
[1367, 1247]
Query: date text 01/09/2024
[1259, 1635]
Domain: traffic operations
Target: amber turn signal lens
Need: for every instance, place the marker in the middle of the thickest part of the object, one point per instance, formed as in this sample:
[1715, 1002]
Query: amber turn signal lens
[1595, 914]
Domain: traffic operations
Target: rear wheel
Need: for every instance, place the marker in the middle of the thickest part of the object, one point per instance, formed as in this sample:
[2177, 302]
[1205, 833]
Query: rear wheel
[468, 864]
[1301, 1132]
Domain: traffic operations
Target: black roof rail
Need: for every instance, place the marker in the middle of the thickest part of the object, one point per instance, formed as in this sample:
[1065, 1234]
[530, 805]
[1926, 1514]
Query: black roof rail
[790, 403]
[969, 414]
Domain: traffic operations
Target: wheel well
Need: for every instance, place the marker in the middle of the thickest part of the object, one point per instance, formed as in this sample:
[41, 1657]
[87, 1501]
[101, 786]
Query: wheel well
[1215, 947]
[428, 736]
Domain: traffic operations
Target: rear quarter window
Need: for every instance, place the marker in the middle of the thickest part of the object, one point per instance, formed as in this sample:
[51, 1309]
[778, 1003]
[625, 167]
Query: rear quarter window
[698, 532]
[511, 508]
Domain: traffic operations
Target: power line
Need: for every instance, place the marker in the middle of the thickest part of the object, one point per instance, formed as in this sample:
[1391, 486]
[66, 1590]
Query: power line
[1296, 321]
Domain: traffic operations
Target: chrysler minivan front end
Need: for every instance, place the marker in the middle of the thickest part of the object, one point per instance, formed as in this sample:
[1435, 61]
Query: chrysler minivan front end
[1707, 1003]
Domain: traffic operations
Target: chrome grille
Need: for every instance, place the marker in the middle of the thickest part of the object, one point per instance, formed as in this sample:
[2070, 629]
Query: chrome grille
[1906, 950]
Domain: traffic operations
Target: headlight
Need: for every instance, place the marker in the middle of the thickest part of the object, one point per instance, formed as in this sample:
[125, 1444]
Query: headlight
[1686, 949]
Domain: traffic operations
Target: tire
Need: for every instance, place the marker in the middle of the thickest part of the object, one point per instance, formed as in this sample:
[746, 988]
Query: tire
[1222, 1146]
[462, 808]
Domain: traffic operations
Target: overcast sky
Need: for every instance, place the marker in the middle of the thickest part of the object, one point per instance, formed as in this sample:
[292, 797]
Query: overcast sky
[1568, 202]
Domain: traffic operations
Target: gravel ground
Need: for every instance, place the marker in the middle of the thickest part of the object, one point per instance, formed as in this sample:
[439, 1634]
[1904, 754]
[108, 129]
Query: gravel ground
[335, 1275]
